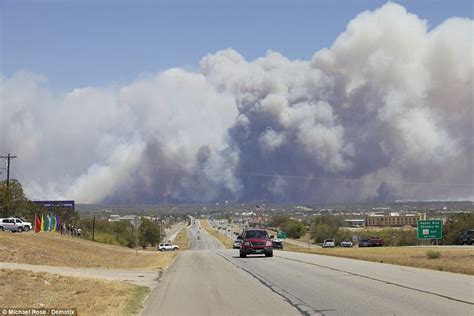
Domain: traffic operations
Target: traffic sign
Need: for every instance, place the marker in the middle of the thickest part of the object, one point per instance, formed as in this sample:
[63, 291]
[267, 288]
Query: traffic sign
[281, 234]
[430, 229]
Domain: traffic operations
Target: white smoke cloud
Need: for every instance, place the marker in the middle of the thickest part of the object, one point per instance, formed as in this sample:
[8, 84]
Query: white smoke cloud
[389, 106]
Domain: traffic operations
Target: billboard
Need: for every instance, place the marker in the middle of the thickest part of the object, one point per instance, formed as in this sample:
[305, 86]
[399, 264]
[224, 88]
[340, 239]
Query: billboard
[51, 204]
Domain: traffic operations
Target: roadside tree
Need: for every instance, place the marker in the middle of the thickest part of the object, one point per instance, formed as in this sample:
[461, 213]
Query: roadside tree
[13, 199]
[294, 228]
[455, 226]
[148, 233]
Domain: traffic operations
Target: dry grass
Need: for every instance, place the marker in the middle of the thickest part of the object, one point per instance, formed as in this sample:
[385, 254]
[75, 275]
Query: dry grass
[24, 289]
[182, 240]
[458, 260]
[224, 239]
[56, 250]
[304, 239]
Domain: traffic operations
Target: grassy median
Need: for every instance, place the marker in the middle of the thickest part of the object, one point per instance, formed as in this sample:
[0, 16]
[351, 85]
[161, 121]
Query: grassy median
[224, 239]
[56, 250]
[24, 289]
[458, 260]
[182, 240]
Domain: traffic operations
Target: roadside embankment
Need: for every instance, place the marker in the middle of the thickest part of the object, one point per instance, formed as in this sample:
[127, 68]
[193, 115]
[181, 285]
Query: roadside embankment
[48, 270]
[56, 250]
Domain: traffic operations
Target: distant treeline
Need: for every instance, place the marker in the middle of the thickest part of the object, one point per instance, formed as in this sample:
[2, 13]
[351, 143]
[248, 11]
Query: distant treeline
[121, 233]
[332, 227]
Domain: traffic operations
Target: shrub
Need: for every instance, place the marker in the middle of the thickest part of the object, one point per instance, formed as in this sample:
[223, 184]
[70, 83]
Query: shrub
[294, 228]
[431, 254]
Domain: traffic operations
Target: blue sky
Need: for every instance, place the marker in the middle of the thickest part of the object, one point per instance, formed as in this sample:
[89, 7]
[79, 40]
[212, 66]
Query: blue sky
[101, 43]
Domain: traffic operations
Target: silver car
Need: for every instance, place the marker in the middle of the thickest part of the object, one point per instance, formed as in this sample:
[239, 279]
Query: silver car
[346, 243]
[11, 225]
[329, 243]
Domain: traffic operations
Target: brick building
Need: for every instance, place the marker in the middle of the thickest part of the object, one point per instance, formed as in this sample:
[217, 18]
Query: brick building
[394, 220]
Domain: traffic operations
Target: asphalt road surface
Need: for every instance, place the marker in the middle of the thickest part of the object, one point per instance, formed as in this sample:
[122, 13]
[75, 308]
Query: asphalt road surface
[200, 282]
[217, 282]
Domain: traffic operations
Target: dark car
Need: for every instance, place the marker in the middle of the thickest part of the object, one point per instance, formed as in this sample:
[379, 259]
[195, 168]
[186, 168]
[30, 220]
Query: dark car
[466, 238]
[255, 241]
[364, 243]
[376, 242]
[277, 244]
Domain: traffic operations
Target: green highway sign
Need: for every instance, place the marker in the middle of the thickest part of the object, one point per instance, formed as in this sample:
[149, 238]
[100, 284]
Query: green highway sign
[281, 234]
[430, 229]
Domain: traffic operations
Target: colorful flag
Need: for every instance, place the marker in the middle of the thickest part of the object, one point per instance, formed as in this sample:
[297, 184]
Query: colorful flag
[58, 222]
[46, 223]
[42, 223]
[49, 222]
[37, 224]
[53, 223]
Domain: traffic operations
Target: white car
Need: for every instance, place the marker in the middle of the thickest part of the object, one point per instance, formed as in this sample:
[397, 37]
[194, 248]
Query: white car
[329, 243]
[167, 247]
[14, 224]
[346, 243]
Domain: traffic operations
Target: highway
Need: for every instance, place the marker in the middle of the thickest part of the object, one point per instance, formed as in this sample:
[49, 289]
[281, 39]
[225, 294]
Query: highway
[200, 282]
[210, 280]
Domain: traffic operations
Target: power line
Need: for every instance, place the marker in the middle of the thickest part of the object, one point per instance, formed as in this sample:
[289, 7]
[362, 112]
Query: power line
[27, 174]
[310, 178]
[30, 183]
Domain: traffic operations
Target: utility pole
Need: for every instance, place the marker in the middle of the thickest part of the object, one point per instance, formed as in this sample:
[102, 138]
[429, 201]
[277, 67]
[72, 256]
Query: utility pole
[93, 228]
[7, 193]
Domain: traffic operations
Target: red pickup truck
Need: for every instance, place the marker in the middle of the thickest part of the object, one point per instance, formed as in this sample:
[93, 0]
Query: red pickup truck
[375, 242]
[255, 241]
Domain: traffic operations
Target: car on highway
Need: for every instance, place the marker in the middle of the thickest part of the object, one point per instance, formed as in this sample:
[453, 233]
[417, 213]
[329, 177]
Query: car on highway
[255, 241]
[236, 244]
[14, 224]
[376, 242]
[364, 243]
[329, 243]
[346, 243]
[277, 244]
[167, 247]
[466, 238]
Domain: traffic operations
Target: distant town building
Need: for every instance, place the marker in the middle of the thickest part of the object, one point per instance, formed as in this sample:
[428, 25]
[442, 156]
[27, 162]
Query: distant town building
[394, 220]
[355, 222]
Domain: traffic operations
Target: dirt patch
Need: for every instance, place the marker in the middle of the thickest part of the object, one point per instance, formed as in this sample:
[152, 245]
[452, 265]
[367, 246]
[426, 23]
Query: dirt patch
[23, 289]
[56, 250]
[451, 259]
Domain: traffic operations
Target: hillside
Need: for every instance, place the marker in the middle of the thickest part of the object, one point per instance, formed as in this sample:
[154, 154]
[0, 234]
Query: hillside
[56, 250]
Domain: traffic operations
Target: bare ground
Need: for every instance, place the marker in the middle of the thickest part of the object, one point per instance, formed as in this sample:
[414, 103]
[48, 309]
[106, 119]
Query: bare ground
[25, 289]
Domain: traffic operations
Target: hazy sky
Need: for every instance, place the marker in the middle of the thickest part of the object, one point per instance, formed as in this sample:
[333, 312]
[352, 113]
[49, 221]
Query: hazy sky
[102, 43]
[200, 101]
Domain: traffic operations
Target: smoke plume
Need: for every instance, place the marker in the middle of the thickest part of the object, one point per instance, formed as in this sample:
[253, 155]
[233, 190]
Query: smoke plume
[386, 111]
